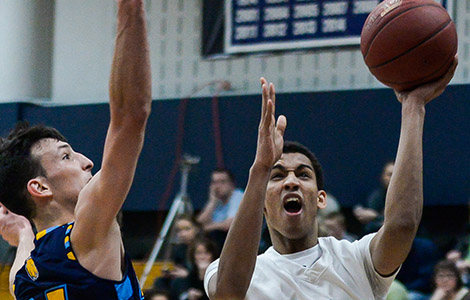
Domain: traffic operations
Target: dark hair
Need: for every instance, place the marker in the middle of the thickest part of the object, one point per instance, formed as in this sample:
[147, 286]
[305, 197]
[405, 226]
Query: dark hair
[149, 294]
[210, 246]
[448, 265]
[191, 219]
[295, 147]
[18, 166]
[226, 171]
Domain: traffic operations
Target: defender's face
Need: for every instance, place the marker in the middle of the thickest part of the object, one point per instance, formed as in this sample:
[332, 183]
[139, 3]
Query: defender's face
[67, 171]
[292, 197]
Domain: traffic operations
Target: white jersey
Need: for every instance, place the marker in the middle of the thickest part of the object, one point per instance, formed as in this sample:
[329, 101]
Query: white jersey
[344, 271]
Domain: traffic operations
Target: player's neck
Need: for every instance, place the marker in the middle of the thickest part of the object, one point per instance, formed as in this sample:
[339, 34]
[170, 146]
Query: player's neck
[48, 217]
[284, 245]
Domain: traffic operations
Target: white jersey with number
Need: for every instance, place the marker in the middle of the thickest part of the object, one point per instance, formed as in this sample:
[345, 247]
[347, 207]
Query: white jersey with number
[343, 271]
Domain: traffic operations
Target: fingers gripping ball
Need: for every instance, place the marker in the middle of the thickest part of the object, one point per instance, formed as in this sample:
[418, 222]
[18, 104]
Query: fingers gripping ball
[406, 43]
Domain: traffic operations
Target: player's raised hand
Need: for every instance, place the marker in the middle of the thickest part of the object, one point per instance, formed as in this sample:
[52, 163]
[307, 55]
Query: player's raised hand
[270, 132]
[429, 91]
[12, 226]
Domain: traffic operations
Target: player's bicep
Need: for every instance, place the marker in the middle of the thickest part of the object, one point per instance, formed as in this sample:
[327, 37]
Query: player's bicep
[101, 199]
[388, 251]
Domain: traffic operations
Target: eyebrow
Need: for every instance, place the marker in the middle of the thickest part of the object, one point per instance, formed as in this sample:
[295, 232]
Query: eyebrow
[282, 168]
[64, 146]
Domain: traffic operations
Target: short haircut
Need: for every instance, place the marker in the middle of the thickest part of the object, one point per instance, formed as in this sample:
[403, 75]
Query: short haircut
[226, 171]
[295, 147]
[18, 166]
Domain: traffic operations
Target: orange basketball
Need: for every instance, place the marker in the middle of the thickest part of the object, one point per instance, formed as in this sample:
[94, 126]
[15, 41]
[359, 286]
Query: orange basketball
[406, 43]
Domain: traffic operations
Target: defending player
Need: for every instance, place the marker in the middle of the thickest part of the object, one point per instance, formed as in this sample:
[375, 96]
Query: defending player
[78, 252]
[286, 184]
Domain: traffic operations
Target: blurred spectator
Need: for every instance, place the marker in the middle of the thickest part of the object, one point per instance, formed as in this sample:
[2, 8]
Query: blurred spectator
[335, 225]
[332, 205]
[220, 209]
[372, 214]
[397, 291]
[462, 264]
[447, 283]
[156, 294]
[187, 230]
[417, 270]
[201, 253]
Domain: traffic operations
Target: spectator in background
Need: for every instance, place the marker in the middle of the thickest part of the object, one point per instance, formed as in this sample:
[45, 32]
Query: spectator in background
[372, 215]
[187, 230]
[335, 225]
[157, 294]
[333, 206]
[462, 264]
[447, 283]
[201, 253]
[220, 209]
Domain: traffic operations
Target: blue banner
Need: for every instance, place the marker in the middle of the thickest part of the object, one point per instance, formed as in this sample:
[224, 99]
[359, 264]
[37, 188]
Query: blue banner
[264, 25]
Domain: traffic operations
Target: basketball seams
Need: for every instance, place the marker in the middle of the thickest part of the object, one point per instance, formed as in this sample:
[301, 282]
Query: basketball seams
[371, 40]
[413, 48]
[408, 45]
[447, 63]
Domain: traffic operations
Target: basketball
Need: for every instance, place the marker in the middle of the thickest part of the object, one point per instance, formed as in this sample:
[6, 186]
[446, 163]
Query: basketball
[406, 43]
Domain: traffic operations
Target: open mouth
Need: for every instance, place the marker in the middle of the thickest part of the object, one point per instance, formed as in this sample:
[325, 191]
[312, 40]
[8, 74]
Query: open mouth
[293, 206]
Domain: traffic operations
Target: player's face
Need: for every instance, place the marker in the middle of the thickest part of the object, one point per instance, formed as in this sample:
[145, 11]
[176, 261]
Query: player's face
[292, 197]
[67, 171]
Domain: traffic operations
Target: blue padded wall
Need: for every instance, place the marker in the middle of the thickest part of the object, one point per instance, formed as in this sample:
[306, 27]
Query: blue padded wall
[352, 132]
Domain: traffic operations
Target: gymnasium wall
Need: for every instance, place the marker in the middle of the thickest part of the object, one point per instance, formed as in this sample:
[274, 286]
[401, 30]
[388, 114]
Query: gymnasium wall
[59, 52]
[352, 132]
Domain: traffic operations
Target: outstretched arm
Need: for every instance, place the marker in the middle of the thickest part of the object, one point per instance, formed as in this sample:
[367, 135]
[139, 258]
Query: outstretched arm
[17, 231]
[404, 200]
[130, 99]
[238, 258]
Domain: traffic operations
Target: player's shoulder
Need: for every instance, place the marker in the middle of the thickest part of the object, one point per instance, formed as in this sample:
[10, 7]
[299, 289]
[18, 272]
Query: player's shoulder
[52, 238]
[332, 244]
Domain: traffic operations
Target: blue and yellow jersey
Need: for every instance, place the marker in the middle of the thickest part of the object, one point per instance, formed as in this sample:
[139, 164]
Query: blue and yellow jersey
[52, 272]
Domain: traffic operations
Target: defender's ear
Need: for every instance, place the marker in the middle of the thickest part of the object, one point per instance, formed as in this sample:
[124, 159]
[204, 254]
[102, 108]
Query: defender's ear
[321, 199]
[38, 188]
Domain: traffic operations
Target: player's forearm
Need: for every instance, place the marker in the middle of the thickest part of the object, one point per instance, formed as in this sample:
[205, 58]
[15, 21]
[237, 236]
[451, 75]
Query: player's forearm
[404, 201]
[25, 246]
[238, 256]
[130, 83]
